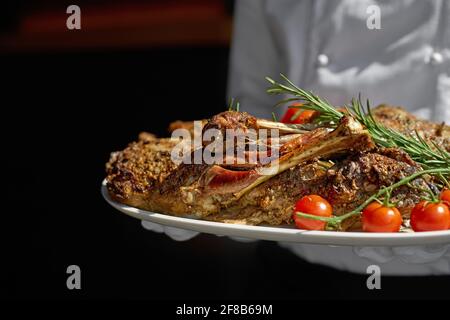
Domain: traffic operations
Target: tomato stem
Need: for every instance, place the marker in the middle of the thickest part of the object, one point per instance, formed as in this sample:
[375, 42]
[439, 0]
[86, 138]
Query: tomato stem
[387, 199]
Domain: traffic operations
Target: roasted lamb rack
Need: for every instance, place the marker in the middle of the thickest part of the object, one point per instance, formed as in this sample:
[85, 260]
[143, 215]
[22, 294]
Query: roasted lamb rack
[343, 165]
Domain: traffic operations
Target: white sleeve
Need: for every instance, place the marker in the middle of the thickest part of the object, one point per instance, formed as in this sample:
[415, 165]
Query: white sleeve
[253, 57]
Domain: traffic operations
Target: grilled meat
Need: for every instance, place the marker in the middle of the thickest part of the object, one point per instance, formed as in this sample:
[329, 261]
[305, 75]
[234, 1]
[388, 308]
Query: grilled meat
[141, 167]
[399, 119]
[208, 189]
[143, 175]
[237, 120]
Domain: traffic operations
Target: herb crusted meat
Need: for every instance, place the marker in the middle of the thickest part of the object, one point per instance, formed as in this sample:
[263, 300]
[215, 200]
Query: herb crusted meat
[144, 176]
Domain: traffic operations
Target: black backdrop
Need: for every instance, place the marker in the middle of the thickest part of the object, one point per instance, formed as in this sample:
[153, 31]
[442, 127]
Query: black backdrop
[61, 116]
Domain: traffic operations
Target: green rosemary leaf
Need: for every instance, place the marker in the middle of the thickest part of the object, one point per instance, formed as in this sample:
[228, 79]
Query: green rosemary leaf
[274, 117]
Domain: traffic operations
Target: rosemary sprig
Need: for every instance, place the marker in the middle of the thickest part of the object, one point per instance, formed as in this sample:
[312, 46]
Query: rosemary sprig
[233, 105]
[328, 114]
[274, 117]
[334, 222]
[429, 156]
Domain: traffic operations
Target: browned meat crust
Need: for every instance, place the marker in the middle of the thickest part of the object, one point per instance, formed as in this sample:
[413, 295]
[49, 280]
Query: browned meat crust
[204, 190]
[399, 119]
[143, 175]
[133, 172]
[186, 125]
[346, 186]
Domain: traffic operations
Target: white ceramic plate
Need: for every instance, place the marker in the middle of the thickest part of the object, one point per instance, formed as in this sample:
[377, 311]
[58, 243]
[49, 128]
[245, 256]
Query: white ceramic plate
[285, 233]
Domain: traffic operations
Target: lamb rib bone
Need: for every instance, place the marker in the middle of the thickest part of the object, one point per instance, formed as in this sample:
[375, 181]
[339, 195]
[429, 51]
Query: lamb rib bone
[243, 121]
[320, 143]
[283, 127]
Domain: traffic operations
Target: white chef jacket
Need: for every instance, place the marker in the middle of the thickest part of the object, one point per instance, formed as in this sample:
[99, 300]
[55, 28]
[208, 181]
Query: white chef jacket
[325, 46]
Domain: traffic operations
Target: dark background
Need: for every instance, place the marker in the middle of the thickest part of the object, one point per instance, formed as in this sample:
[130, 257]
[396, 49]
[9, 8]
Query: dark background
[65, 108]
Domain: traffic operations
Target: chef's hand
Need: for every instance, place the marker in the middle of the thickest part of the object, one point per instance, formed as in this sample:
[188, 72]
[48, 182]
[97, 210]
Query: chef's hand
[412, 255]
[173, 233]
[419, 260]
[394, 261]
[180, 234]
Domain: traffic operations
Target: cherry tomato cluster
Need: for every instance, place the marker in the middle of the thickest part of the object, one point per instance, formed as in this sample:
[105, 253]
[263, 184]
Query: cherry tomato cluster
[376, 217]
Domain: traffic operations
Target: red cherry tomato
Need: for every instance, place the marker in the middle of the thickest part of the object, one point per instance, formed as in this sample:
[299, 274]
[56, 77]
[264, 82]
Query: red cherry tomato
[428, 216]
[372, 207]
[378, 218]
[315, 205]
[445, 196]
[304, 117]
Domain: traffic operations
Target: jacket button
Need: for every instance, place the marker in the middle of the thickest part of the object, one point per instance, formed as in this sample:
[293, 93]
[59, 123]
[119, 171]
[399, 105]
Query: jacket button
[322, 60]
[436, 58]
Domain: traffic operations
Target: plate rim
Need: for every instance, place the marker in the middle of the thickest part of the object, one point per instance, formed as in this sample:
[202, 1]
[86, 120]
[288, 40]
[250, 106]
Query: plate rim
[273, 233]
